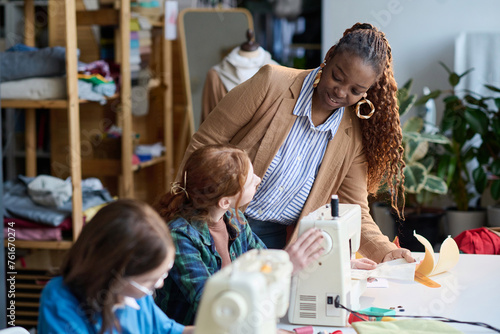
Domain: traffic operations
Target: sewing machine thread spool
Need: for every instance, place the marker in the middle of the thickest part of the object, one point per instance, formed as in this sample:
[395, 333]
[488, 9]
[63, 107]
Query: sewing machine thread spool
[335, 206]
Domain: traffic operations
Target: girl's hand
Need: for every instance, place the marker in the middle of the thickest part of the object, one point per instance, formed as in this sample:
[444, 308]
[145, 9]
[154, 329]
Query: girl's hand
[363, 263]
[306, 249]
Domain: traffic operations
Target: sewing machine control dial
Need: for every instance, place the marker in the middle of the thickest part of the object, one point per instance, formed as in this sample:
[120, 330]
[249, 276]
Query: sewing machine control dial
[229, 308]
[327, 243]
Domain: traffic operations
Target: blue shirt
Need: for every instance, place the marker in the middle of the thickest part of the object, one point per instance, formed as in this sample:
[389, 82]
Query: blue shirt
[60, 312]
[290, 176]
[196, 259]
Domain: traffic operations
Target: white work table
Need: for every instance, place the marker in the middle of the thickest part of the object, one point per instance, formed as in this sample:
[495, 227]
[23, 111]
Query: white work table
[469, 292]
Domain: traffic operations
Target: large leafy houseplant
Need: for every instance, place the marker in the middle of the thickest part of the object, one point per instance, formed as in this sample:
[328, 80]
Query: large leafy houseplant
[467, 114]
[420, 181]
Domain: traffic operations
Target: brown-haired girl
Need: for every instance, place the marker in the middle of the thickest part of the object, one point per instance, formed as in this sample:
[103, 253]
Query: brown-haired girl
[109, 275]
[208, 230]
[314, 133]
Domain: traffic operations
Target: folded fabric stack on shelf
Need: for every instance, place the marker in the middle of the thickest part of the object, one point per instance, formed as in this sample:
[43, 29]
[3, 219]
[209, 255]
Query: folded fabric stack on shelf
[39, 74]
[33, 74]
[95, 82]
[41, 207]
[140, 44]
[150, 9]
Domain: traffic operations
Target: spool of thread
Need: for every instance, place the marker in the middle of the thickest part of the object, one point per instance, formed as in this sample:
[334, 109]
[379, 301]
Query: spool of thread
[335, 206]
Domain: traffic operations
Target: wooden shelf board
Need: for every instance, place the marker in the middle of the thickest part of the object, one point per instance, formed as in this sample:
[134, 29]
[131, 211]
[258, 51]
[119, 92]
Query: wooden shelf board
[41, 244]
[151, 162]
[101, 17]
[45, 104]
[22, 322]
[27, 313]
[29, 104]
[27, 294]
[29, 286]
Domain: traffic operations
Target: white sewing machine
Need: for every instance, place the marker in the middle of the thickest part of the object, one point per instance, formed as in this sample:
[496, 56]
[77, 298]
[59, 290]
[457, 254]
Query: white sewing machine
[247, 297]
[314, 290]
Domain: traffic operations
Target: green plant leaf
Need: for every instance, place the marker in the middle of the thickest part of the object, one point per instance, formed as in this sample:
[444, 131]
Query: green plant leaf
[445, 67]
[406, 104]
[454, 79]
[428, 162]
[495, 167]
[435, 185]
[497, 103]
[416, 150]
[432, 95]
[451, 98]
[472, 100]
[480, 179]
[493, 88]
[404, 90]
[410, 136]
[477, 120]
[459, 131]
[482, 154]
[435, 138]
[466, 72]
[495, 190]
[414, 124]
[415, 176]
[495, 122]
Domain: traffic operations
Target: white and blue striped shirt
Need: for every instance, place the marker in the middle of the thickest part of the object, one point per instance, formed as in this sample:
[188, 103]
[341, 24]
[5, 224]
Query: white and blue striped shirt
[288, 180]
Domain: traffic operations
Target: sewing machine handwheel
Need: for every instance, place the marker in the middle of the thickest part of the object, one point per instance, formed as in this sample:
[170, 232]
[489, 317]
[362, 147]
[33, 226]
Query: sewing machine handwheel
[327, 242]
[229, 308]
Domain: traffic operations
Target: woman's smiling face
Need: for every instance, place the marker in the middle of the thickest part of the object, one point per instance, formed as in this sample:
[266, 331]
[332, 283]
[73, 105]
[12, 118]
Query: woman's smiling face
[345, 80]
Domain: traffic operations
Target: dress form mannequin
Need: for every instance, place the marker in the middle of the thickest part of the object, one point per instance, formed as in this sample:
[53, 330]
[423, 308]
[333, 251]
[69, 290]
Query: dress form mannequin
[249, 49]
[238, 66]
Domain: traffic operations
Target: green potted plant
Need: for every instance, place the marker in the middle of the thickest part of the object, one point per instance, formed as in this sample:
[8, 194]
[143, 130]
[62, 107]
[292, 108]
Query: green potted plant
[488, 155]
[421, 183]
[465, 116]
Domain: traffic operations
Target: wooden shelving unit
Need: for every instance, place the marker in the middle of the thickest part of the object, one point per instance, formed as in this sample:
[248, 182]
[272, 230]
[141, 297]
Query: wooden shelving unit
[29, 282]
[118, 16]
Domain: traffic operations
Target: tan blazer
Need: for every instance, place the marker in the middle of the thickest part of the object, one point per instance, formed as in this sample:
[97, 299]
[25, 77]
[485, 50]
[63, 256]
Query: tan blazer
[257, 117]
[213, 92]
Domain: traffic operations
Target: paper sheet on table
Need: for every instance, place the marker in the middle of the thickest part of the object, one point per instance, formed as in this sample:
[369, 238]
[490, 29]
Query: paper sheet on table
[397, 269]
[448, 256]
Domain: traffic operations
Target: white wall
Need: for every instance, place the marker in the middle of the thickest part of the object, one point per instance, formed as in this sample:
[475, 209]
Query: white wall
[421, 32]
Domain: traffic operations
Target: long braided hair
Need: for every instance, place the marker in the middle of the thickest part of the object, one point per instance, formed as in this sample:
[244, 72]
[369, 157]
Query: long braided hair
[382, 135]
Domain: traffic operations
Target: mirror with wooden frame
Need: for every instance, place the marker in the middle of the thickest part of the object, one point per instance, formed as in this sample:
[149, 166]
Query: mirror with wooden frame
[206, 36]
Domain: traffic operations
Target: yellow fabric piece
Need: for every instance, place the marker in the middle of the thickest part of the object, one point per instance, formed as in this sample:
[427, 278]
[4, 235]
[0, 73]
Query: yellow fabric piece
[409, 326]
[448, 256]
[134, 25]
[90, 212]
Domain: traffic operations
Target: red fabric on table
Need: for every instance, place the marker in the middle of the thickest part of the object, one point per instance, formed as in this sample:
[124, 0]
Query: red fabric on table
[478, 241]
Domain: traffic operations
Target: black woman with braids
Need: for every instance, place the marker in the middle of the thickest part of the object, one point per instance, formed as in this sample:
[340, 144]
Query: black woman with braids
[313, 133]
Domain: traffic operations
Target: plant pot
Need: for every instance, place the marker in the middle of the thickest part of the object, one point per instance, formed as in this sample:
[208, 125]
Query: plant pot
[494, 215]
[383, 218]
[459, 221]
[427, 224]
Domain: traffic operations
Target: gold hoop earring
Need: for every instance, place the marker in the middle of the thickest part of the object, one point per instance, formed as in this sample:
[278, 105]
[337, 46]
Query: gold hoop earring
[363, 101]
[318, 75]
